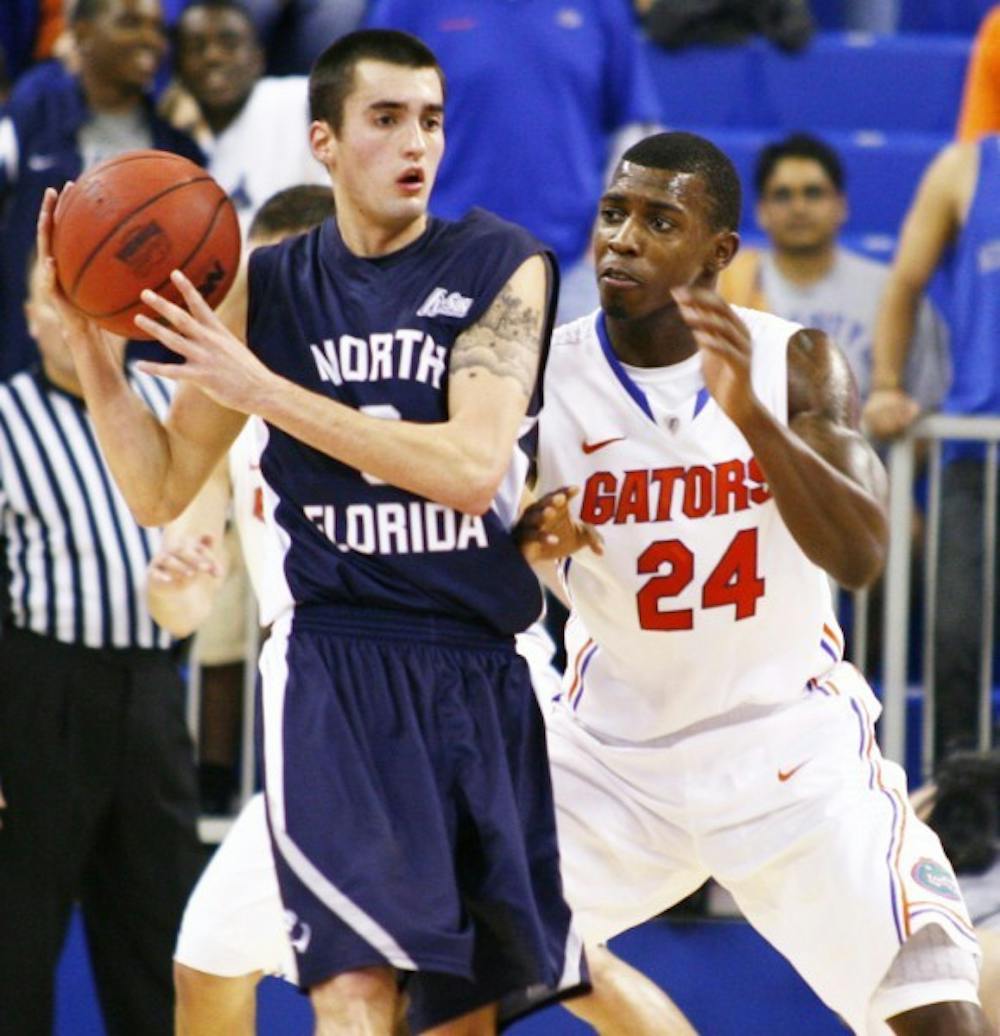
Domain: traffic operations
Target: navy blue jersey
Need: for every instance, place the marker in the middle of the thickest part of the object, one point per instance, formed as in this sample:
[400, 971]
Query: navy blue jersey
[376, 334]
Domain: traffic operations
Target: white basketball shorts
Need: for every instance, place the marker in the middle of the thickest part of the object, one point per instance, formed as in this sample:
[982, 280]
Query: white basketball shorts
[233, 923]
[792, 808]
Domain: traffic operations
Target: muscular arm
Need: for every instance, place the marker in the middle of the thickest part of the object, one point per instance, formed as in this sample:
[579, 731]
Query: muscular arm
[459, 462]
[827, 482]
[930, 226]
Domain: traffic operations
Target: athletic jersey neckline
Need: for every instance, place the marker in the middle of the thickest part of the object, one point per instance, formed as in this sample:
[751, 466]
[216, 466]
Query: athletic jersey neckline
[628, 383]
[336, 249]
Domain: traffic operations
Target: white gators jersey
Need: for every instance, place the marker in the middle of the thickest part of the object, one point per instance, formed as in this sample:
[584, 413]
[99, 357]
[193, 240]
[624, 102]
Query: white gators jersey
[702, 601]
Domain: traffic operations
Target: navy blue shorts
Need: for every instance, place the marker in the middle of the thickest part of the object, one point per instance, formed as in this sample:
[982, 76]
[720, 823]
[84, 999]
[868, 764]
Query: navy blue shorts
[410, 807]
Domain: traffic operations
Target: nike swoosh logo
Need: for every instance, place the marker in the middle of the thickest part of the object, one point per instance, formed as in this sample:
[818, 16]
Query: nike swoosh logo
[784, 775]
[593, 447]
[39, 163]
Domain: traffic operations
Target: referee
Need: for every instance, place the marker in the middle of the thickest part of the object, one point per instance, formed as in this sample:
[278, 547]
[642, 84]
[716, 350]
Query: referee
[96, 766]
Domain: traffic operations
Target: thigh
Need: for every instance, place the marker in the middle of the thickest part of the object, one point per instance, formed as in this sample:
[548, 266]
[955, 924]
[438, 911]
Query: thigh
[623, 858]
[850, 872]
[233, 923]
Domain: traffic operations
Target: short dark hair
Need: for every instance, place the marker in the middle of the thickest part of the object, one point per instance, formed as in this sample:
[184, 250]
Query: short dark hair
[689, 153]
[236, 6]
[292, 211]
[85, 10]
[798, 145]
[332, 75]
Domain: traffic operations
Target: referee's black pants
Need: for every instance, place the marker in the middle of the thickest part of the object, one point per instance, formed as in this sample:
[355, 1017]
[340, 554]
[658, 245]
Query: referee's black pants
[97, 769]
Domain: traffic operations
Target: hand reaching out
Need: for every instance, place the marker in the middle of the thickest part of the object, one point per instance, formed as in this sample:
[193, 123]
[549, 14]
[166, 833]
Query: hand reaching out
[183, 562]
[547, 529]
[726, 351]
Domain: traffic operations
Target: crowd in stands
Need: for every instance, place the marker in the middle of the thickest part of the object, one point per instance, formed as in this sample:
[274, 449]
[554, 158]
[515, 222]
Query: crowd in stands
[542, 98]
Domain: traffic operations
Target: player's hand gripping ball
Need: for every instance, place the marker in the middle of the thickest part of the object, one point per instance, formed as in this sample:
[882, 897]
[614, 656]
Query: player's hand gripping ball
[128, 222]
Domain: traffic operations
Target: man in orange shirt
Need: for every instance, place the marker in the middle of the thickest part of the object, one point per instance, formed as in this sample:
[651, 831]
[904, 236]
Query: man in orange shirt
[980, 112]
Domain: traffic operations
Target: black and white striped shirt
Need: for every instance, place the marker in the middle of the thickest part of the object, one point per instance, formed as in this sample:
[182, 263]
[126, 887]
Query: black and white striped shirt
[76, 558]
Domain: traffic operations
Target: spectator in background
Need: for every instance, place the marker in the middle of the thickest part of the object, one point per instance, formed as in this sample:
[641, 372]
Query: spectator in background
[955, 212]
[807, 276]
[58, 123]
[96, 764]
[218, 61]
[788, 24]
[542, 93]
[980, 112]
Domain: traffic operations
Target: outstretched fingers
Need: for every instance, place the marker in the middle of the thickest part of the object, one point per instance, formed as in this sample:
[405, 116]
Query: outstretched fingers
[194, 300]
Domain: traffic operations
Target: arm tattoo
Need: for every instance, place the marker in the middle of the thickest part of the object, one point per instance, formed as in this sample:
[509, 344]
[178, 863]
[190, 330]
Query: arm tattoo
[505, 341]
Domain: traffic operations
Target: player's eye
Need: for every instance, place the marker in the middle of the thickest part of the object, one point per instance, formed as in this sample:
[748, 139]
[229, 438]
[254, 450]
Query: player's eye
[661, 223]
[609, 215]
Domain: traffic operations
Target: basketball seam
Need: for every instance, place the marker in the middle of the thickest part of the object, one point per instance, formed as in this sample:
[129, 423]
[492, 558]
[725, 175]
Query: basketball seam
[180, 266]
[128, 156]
[128, 215]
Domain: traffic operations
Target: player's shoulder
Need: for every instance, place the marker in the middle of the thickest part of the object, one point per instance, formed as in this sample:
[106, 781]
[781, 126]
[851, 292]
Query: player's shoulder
[766, 329]
[569, 338]
[294, 249]
[480, 227]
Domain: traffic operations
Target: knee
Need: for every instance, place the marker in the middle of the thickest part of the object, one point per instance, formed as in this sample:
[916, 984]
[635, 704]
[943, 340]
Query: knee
[198, 992]
[366, 990]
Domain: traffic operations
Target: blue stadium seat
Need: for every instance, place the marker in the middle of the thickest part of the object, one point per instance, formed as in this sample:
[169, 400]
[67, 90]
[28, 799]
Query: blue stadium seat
[844, 81]
[706, 86]
[859, 81]
[959, 16]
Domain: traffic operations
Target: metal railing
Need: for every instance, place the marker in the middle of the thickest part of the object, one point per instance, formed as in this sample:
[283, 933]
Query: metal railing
[933, 429]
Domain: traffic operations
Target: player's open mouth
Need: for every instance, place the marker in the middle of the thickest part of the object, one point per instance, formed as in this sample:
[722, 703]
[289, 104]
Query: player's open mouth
[618, 278]
[412, 180]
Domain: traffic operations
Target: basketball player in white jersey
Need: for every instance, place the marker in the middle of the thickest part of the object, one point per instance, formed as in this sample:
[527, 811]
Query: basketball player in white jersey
[708, 725]
[234, 931]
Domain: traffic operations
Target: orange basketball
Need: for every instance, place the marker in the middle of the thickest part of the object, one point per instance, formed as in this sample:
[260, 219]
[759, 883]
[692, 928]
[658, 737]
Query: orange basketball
[128, 222]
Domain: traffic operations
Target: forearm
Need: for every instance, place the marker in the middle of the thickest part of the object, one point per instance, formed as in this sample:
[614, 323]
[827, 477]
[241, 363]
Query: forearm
[132, 439]
[181, 610]
[838, 521]
[445, 461]
[894, 328]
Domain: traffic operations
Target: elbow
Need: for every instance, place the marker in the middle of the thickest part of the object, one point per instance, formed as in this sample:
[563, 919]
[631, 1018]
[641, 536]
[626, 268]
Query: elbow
[862, 568]
[154, 514]
[474, 488]
[474, 500]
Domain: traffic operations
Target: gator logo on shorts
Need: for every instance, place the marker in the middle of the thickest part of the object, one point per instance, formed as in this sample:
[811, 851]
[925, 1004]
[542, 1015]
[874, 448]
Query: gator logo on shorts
[929, 874]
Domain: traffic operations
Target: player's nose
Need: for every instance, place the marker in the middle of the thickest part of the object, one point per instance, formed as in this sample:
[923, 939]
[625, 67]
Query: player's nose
[624, 239]
[415, 142]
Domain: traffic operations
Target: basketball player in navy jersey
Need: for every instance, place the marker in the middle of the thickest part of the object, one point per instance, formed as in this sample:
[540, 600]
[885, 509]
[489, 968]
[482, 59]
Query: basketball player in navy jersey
[394, 358]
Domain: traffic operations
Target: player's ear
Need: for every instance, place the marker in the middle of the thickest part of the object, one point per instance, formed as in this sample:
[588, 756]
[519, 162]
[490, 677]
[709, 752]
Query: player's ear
[323, 142]
[724, 247]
